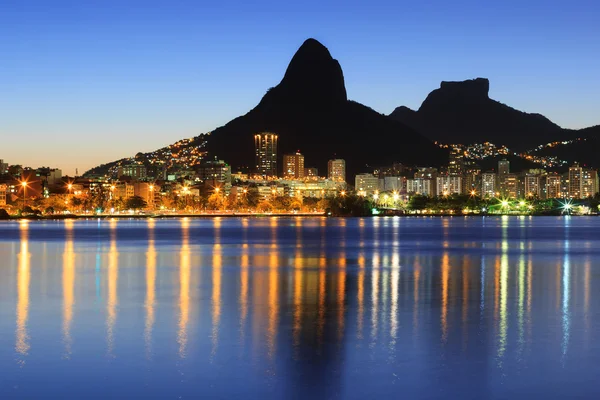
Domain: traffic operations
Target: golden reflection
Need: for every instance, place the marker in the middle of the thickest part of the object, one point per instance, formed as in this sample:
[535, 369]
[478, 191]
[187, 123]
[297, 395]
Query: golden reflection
[23, 278]
[321, 308]
[273, 300]
[445, 282]
[360, 295]
[297, 306]
[150, 288]
[68, 281]
[184, 287]
[529, 297]
[341, 299]
[113, 280]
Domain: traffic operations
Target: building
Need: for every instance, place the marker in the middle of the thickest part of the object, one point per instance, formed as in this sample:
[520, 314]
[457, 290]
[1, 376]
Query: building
[589, 183]
[366, 184]
[123, 190]
[575, 184]
[336, 170]
[533, 185]
[503, 167]
[448, 185]
[3, 192]
[134, 171]
[553, 186]
[215, 170]
[394, 184]
[311, 173]
[293, 166]
[265, 145]
[511, 186]
[3, 167]
[456, 162]
[318, 188]
[420, 186]
[488, 184]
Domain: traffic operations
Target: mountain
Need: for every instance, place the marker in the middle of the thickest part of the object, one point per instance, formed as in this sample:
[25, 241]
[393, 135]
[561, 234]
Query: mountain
[310, 111]
[462, 112]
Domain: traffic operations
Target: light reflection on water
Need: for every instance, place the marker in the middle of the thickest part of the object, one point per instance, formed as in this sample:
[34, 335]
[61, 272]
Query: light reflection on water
[300, 307]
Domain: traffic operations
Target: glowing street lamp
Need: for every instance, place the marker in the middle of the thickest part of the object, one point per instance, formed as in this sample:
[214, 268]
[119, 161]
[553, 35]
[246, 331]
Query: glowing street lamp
[24, 186]
[473, 193]
[343, 193]
[504, 203]
[376, 195]
[396, 196]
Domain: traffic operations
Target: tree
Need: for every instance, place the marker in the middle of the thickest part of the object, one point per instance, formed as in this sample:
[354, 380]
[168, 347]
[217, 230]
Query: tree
[4, 214]
[135, 203]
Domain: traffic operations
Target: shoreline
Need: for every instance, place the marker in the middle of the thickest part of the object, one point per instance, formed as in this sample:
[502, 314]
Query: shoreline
[259, 215]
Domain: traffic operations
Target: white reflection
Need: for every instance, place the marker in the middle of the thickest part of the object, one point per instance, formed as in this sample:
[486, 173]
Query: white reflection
[566, 294]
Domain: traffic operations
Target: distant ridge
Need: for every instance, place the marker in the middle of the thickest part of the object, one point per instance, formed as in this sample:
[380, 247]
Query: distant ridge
[462, 112]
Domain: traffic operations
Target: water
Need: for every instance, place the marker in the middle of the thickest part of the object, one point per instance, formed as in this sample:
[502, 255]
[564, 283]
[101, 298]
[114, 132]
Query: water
[301, 308]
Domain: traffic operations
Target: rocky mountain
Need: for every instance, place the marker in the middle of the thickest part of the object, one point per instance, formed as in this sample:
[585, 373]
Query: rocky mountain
[310, 111]
[462, 112]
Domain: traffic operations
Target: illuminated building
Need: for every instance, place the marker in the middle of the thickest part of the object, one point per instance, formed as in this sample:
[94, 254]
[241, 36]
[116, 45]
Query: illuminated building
[317, 188]
[265, 145]
[553, 186]
[488, 184]
[3, 191]
[311, 173]
[511, 186]
[448, 185]
[589, 183]
[420, 186]
[575, 185]
[215, 170]
[394, 184]
[336, 170]
[456, 164]
[533, 186]
[293, 166]
[366, 183]
[134, 171]
[503, 167]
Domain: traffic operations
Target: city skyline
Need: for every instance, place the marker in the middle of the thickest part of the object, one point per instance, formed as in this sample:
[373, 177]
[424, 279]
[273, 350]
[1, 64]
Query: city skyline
[110, 76]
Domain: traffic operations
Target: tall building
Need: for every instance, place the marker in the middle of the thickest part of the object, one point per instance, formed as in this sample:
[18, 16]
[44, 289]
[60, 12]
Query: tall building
[448, 185]
[589, 183]
[293, 166]
[553, 186]
[511, 186]
[575, 186]
[456, 162]
[533, 185]
[336, 170]
[265, 145]
[503, 167]
[393, 183]
[488, 184]
[3, 167]
[366, 183]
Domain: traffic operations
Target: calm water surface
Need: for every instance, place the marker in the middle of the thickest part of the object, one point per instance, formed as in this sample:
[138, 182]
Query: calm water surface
[502, 308]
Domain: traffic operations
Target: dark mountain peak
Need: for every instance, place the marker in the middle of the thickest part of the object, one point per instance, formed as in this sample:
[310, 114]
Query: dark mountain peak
[312, 76]
[478, 87]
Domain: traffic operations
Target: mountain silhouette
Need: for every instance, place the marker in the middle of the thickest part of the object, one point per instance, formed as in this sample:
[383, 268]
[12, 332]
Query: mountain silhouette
[462, 112]
[310, 112]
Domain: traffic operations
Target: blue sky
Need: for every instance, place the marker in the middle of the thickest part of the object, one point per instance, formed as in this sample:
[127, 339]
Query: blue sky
[86, 82]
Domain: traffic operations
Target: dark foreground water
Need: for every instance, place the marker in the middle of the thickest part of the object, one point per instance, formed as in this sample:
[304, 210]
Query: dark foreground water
[306, 308]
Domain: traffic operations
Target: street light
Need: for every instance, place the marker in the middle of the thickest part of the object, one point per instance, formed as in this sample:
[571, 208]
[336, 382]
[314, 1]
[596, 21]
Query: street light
[24, 185]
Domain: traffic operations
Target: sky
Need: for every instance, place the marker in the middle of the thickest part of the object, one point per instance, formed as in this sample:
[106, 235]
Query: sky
[87, 82]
